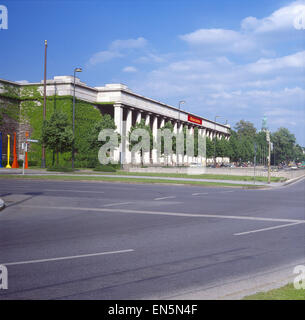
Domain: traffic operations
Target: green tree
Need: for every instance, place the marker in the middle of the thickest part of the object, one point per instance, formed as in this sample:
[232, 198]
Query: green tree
[132, 144]
[283, 145]
[299, 153]
[245, 129]
[57, 134]
[106, 122]
[209, 148]
[168, 125]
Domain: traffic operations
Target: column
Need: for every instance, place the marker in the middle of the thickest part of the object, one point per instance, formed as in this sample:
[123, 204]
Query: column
[185, 157]
[155, 133]
[174, 155]
[138, 154]
[191, 132]
[146, 155]
[199, 156]
[128, 126]
[204, 136]
[179, 154]
[161, 157]
[118, 120]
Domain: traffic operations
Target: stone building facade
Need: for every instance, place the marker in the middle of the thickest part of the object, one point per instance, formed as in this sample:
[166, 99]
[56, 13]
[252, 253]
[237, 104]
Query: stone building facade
[124, 105]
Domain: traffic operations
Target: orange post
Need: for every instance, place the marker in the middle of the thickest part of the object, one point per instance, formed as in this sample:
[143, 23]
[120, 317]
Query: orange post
[15, 161]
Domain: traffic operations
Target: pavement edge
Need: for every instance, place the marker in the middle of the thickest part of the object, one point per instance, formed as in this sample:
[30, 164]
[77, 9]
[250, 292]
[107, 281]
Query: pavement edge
[293, 180]
[2, 204]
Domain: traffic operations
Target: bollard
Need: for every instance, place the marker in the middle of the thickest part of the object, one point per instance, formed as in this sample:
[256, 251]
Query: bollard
[15, 162]
[8, 152]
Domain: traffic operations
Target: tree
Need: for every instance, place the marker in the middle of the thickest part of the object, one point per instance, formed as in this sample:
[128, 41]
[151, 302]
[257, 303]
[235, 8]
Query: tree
[57, 134]
[209, 148]
[245, 129]
[106, 122]
[168, 125]
[132, 144]
[284, 145]
[299, 153]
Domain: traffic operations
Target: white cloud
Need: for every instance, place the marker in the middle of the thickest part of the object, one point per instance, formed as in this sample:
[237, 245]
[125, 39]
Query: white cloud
[104, 56]
[116, 50]
[226, 40]
[128, 44]
[23, 81]
[279, 20]
[210, 36]
[129, 69]
[151, 57]
[269, 65]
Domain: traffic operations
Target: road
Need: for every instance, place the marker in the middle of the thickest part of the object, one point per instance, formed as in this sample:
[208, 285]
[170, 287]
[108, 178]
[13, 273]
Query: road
[92, 240]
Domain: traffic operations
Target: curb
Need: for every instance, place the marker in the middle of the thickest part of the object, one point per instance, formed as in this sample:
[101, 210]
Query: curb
[293, 180]
[2, 204]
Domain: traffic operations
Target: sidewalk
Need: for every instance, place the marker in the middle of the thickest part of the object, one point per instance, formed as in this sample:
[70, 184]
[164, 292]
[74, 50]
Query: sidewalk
[37, 172]
[2, 204]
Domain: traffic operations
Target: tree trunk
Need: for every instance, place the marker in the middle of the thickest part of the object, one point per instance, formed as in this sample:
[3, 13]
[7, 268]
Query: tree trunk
[57, 160]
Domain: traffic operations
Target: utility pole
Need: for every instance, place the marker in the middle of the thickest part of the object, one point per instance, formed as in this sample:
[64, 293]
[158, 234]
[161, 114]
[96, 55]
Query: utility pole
[73, 115]
[43, 157]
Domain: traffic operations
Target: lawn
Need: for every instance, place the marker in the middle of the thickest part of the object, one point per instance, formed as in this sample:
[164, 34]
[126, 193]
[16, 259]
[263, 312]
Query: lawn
[287, 292]
[125, 179]
[191, 176]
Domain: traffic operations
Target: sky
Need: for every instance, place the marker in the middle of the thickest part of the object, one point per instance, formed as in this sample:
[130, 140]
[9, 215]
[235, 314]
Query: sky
[238, 59]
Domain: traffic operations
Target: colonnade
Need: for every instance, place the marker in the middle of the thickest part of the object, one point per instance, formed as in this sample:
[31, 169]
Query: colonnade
[125, 117]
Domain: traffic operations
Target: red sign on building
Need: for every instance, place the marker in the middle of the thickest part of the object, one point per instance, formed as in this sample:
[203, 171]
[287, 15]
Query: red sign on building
[194, 119]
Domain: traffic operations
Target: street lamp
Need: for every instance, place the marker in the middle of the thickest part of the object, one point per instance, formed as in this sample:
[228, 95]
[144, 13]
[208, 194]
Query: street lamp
[73, 116]
[215, 139]
[180, 103]
[43, 151]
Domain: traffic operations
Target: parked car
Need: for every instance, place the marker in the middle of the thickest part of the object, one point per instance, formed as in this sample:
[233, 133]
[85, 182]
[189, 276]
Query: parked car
[195, 165]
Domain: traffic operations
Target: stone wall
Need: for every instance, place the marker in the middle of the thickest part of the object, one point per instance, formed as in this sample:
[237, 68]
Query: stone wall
[8, 125]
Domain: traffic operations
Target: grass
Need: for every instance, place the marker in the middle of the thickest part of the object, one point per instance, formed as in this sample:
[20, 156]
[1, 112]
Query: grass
[199, 176]
[175, 175]
[287, 292]
[123, 179]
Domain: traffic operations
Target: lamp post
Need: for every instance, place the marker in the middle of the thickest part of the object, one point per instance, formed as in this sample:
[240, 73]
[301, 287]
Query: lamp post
[180, 103]
[43, 156]
[73, 114]
[215, 139]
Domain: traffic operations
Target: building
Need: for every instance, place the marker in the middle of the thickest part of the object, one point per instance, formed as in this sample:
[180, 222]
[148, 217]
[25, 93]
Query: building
[124, 105]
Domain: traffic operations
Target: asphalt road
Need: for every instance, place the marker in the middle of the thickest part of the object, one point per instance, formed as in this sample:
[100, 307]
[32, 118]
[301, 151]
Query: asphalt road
[91, 240]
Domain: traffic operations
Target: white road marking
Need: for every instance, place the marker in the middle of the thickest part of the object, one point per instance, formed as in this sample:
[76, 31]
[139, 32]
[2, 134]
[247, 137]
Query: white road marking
[178, 214]
[270, 228]
[72, 190]
[198, 194]
[170, 197]
[66, 258]
[115, 204]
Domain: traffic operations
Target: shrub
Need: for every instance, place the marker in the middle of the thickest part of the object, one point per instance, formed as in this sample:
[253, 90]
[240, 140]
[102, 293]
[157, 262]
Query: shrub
[105, 168]
[60, 169]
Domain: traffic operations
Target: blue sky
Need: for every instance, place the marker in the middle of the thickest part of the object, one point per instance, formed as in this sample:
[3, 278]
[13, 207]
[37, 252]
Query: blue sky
[238, 59]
